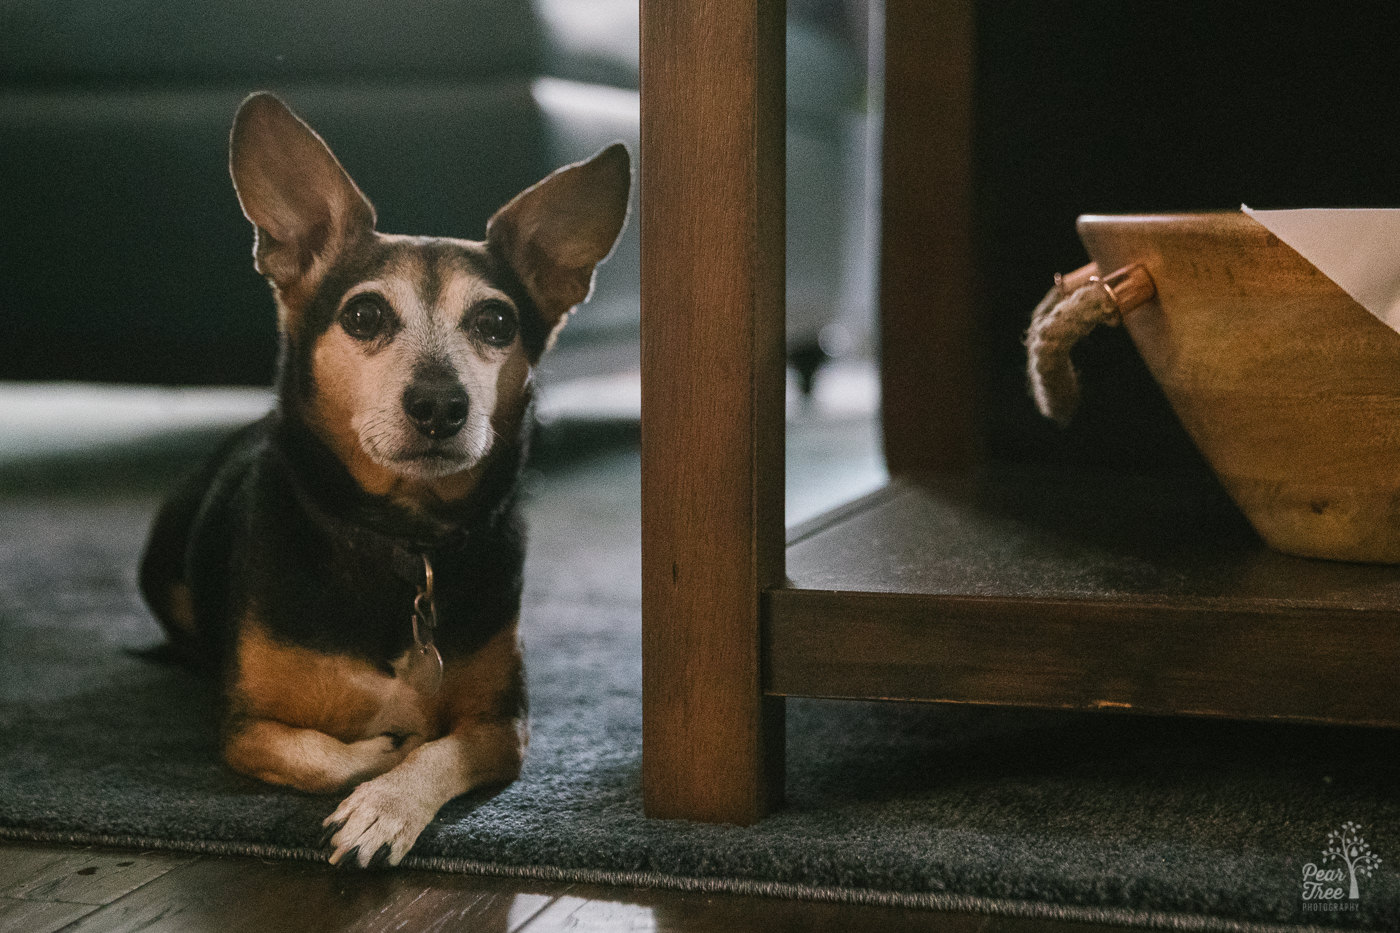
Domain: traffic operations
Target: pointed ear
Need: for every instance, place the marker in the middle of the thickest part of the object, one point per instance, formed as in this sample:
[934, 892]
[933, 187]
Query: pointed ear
[302, 204]
[554, 233]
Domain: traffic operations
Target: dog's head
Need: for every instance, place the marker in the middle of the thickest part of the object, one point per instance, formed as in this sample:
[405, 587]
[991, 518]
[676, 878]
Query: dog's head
[410, 355]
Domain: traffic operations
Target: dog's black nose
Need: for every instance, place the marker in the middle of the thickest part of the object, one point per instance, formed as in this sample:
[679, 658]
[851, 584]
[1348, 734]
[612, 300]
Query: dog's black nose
[437, 405]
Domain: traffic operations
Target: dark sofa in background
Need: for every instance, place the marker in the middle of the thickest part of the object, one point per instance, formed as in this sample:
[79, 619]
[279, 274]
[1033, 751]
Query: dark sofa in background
[125, 257]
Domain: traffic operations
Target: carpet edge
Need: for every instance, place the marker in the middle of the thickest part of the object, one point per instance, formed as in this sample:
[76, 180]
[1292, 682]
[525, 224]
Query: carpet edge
[963, 903]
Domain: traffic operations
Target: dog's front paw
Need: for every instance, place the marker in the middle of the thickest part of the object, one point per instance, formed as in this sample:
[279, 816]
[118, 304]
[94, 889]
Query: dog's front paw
[376, 825]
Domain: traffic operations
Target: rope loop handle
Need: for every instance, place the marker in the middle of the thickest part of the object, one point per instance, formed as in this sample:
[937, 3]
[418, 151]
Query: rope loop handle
[1074, 306]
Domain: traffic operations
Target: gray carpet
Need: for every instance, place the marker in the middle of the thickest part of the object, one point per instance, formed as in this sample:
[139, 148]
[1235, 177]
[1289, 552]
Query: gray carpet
[1168, 823]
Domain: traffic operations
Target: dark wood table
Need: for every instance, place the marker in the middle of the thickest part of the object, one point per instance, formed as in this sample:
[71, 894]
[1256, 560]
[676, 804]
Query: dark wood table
[962, 582]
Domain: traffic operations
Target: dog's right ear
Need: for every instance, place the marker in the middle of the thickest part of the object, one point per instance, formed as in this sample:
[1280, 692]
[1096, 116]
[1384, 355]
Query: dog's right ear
[303, 205]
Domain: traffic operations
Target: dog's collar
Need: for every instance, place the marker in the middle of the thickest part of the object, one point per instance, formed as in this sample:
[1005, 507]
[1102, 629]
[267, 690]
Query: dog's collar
[407, 560]
[410, 561]
[406, 549]
[338, 505]
[406, 552]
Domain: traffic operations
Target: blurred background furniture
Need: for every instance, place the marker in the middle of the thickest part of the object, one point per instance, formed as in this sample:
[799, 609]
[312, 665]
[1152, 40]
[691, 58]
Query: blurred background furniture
[126, 258]
[1008, 562]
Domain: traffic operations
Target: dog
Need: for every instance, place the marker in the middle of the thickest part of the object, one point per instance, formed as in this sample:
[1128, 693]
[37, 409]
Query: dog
[349, 566]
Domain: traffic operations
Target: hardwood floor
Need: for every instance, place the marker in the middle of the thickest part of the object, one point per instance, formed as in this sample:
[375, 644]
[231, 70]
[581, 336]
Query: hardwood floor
[48, 888]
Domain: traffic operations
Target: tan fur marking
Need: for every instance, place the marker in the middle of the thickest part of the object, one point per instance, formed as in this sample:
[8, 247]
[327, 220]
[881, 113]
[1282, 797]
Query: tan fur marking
[341, 696]
[334, 414]
[473, 687]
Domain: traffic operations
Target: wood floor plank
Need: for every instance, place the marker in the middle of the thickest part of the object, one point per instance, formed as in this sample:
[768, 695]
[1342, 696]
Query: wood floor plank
[232, 895]
[21, 861]
[242, 894]
[78, 876]
[17, 916]
[586, 909]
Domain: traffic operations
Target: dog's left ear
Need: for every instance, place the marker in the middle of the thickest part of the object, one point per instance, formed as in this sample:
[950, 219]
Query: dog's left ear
[555, 232]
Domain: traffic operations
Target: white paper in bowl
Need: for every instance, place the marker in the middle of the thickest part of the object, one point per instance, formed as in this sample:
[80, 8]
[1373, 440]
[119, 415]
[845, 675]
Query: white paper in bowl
[1358, 248]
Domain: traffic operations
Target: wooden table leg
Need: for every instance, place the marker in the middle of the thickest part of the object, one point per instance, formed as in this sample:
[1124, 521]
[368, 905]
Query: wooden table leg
[712, 206]
[931, 410]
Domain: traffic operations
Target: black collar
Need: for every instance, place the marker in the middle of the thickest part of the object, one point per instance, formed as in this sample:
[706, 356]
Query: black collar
[337, 505]
[365, 530]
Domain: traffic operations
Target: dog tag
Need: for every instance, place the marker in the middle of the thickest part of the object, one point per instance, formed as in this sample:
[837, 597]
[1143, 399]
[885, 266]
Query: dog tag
[424, 668]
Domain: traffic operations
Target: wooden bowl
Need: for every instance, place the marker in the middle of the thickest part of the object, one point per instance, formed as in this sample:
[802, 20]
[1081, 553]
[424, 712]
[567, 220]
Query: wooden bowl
[1288, 386]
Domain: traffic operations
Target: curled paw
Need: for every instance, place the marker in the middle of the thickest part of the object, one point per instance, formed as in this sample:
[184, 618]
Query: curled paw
[375, 826]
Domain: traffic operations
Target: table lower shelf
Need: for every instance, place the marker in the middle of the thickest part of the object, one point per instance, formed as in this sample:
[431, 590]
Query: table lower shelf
[1099, 593]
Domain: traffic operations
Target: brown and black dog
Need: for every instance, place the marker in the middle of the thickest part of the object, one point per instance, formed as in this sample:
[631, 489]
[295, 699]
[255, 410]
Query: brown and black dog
[350, 566]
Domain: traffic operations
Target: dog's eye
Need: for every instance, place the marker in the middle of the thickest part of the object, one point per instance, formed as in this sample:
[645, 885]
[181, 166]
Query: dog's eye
[495, 323]
[364, 317]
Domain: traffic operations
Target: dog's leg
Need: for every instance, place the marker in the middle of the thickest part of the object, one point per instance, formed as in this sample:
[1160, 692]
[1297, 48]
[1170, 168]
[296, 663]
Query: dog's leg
[188, 534]
[381, 819]
[485, 699]
[307, 759]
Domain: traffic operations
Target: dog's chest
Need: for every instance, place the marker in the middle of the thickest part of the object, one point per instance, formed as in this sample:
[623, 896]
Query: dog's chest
[338, 694]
